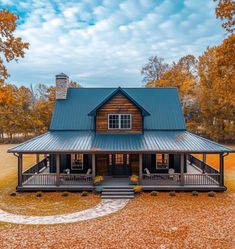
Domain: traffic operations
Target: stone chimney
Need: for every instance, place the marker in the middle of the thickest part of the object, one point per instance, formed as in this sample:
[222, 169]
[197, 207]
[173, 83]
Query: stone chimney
[62, 82]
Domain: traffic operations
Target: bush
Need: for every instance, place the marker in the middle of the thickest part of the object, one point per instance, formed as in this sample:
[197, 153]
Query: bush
[65, 194]
[194, 193]
[98, 189]
[13, 194]
[137, 189]
[154, 193]
[39, 194]
[211, 194]
[84, 193]
[172, 193]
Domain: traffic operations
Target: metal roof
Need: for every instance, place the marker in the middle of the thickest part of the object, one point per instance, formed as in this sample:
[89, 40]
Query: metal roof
[89, 141]
[161, 103]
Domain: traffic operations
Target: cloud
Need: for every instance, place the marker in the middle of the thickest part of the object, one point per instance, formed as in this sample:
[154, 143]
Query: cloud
[105, 43]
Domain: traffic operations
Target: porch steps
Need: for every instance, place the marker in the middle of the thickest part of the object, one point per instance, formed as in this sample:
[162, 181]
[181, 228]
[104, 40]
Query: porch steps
[116, 192]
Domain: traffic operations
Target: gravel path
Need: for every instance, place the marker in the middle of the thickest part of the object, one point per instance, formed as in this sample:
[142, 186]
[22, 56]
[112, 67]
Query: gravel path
[105, 207]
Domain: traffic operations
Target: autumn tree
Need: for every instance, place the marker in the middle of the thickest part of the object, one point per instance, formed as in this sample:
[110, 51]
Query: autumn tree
[217, 91]
[11, 47]
[153, 70]
[226, 12]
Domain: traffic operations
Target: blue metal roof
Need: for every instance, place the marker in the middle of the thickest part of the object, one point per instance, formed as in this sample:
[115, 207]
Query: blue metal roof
[162, 104]
[89, 141]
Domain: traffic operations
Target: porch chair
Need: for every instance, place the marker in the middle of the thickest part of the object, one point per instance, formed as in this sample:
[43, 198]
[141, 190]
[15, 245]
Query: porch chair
[147, 172]
[171, 173]
[86, 176]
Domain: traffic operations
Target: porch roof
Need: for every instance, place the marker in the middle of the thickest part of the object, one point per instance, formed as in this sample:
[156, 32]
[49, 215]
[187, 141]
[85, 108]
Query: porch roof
[90, 142]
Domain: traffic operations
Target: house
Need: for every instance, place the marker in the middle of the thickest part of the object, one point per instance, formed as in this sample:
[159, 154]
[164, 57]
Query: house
[115, 133]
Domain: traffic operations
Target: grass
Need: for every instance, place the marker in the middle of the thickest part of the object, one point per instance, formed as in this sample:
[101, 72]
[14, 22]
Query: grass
[28, 203]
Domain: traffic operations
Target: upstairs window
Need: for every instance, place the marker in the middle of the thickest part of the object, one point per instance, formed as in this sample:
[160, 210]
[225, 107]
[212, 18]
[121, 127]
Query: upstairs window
[162, 161]
[77, 161]
[119, 121]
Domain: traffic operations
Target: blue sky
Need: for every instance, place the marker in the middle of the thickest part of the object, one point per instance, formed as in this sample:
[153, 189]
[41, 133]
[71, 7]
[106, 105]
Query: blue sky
[106, 42]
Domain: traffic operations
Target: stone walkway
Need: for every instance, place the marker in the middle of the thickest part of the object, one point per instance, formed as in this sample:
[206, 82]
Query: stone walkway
[105, 207]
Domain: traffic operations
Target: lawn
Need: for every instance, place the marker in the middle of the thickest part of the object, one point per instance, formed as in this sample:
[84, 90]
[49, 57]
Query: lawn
[162, 221]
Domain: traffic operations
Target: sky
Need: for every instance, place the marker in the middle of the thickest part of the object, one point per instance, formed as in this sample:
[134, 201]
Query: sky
[107, 42]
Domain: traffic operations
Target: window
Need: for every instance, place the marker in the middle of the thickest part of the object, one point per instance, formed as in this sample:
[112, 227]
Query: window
[162, 161]
[77, 161]
[119, 158]
[119, 121]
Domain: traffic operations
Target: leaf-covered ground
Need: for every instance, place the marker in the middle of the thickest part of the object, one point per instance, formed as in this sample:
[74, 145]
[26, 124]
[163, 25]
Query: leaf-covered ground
[162, 221]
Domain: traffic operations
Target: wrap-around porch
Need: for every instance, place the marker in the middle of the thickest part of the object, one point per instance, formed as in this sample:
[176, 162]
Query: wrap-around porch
[191, 174]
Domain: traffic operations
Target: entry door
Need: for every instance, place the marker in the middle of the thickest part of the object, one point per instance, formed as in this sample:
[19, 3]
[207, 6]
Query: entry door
[121, 165]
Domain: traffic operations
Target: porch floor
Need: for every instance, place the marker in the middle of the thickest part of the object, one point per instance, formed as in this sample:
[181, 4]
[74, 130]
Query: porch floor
[115, 182]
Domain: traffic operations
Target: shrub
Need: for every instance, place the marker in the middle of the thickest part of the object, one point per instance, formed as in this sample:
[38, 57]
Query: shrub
[137, 189]
[65, 194]
[98, 189]
[98, 179]
[39, 194]
[84, 193]
[194, 193]
[13, 194]
[154, 193]
[211, 194]
[134, 179]
[172, 193]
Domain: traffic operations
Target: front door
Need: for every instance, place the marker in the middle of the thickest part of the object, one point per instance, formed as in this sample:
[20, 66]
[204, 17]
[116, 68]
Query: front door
[121, 165]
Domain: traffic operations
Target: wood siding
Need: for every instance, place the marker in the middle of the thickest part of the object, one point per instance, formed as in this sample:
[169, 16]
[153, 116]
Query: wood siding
[119, 105]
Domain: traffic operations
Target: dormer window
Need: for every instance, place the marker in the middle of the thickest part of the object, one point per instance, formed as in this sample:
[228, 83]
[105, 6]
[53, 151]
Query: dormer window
[119, 121]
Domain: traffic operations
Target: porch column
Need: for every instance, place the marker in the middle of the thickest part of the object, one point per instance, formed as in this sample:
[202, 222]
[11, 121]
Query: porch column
[20, 166]
[221, 170]
[37, 158]
[204, 161]
[140, 167]
[57, 169]
[182, 169]
[93, 166]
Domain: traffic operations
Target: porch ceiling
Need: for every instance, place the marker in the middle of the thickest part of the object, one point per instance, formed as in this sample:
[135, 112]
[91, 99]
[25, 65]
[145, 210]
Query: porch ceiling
[90, 142]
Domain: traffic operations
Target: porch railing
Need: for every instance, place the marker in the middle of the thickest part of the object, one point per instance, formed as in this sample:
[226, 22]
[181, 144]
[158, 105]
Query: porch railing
[75, 179]
[50, 179]
[39, 179]
[201, 179]
[175, 179]
[202, 166]
[161, 179]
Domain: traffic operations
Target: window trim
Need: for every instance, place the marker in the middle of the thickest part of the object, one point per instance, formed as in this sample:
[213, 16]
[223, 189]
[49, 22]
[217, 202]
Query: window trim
[119, 121]
[167, 165]
[72, 165]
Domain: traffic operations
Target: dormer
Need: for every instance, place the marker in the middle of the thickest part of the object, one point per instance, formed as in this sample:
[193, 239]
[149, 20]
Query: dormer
[119, 113]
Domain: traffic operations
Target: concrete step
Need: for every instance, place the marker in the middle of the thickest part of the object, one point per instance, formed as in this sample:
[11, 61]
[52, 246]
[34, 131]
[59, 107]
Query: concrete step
[118, 193]
[117, 190]
[117, 196]
[117, 187]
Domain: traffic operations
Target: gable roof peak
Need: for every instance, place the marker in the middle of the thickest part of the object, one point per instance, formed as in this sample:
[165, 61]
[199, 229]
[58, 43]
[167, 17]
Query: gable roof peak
[117, 90]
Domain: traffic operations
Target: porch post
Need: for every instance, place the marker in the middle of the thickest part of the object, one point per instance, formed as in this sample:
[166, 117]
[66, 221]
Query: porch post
[37, 158]
[182, 169]
[93, 166]
[221, 180]
[140, 167]
[20, 166]
[57, 169]
[204, 161]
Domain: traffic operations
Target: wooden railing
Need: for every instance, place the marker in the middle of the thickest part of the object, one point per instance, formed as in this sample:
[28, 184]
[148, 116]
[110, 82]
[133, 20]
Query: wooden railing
[39, 179]
[75, 179]
[201, 179]
[50, 179]
[38, 167]
[202, 166]
[175, 179]
[161, 179]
